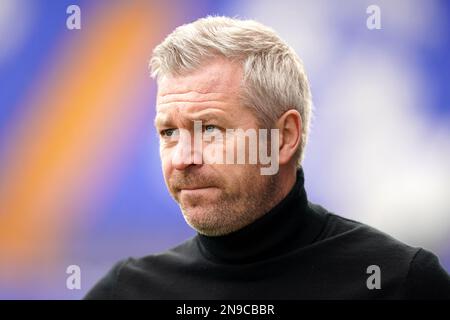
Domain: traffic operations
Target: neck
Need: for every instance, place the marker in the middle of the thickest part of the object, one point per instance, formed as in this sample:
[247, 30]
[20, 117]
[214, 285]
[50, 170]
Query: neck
[286, 180]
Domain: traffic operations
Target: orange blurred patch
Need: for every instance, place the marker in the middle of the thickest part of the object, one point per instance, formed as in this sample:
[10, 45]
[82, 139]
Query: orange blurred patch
[77, 125]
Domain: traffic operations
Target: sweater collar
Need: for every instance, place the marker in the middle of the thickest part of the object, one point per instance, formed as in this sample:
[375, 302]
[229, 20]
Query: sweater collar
[288, 225]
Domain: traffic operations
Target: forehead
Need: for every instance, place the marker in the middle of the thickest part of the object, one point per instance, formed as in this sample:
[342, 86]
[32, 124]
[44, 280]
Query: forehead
[213, 85]
[219, 79]
[211, 92]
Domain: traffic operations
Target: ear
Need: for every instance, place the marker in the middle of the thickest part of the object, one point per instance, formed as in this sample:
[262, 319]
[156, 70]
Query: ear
[290, 135]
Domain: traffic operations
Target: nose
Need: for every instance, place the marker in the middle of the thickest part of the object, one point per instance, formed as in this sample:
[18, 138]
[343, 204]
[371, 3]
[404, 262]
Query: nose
[186, 152]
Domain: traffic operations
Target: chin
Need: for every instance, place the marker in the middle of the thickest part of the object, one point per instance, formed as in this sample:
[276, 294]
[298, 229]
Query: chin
[201, 220]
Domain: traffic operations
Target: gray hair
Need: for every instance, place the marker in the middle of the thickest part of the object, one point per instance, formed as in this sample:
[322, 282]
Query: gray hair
[274, 80]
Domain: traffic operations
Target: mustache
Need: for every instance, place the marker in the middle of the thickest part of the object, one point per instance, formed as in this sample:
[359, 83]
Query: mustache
[182, 181]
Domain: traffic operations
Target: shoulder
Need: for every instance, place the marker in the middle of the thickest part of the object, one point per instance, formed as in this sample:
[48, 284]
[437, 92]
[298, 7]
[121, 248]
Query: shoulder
[105, 288]
[127, 274]
[426, 278]
[415, 271]
[359, 237]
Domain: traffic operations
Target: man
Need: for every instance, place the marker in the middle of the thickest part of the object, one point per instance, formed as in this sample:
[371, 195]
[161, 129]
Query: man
[258, 235]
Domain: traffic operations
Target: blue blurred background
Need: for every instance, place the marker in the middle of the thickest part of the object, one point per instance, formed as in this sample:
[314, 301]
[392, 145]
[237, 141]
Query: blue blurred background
[80, 178]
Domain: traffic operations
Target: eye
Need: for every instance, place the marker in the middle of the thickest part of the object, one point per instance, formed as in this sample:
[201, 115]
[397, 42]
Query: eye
[209, 128]
[168, 132]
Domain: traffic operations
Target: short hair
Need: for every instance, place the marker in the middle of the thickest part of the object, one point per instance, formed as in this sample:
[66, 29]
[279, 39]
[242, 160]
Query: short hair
[274, 80]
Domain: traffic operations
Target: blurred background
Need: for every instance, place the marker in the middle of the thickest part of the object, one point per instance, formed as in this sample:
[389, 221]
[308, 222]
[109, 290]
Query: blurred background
[80, 177]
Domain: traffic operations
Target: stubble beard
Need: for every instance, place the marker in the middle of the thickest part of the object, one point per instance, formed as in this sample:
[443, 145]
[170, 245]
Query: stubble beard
[232, 211]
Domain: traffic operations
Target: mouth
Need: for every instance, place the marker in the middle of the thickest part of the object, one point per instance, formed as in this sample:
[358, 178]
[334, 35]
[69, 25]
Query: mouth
[194, 187]
[191, 190]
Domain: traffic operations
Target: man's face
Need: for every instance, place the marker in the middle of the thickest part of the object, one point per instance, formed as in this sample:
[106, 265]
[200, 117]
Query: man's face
[215, 199]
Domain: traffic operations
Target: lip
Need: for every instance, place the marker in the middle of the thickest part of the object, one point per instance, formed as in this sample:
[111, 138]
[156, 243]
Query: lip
[196, 188]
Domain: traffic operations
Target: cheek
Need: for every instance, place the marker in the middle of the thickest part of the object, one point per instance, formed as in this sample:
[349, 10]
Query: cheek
[230, 153]
[165, 155]
[214, 152]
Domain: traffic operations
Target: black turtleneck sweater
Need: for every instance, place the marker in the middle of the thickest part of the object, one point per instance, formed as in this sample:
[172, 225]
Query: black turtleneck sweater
[297, 250]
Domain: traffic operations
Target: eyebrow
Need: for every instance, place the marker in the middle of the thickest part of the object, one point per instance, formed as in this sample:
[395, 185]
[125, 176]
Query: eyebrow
[165, 120]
